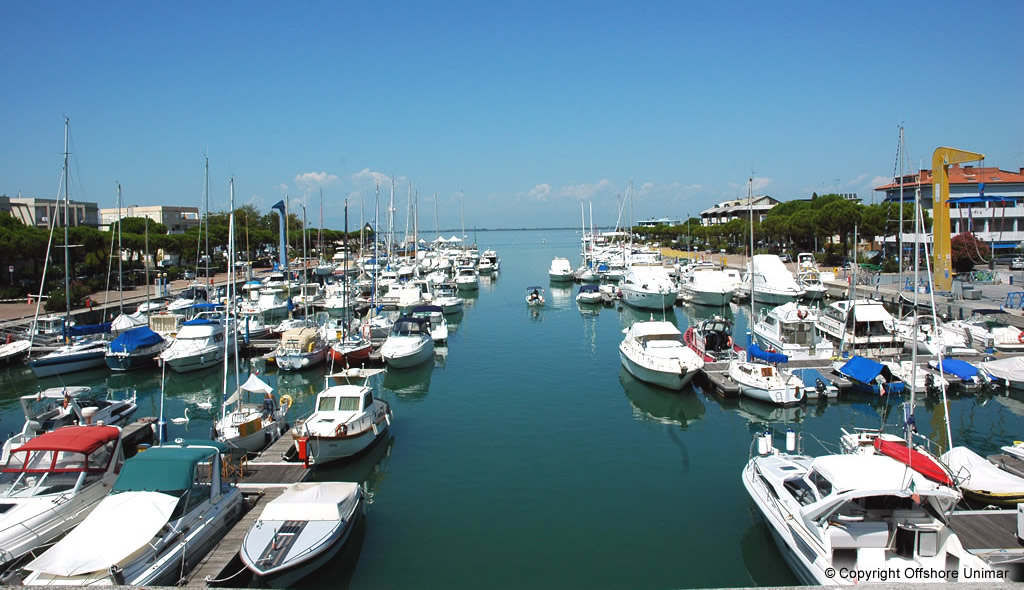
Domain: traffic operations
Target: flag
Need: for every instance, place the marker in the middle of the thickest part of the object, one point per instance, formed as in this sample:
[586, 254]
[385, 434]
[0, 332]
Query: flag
[913, 492]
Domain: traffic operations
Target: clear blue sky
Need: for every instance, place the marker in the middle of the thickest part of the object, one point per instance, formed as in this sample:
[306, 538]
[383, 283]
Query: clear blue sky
[528, 108]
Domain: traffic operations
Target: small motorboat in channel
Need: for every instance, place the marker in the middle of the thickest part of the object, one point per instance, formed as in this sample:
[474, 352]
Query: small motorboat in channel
[300, 531]
[535, 296]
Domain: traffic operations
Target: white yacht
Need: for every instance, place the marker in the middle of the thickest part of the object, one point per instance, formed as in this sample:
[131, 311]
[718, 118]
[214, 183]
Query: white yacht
[809, 277]
[763, 381]
[445, 295]
[41, 500]
[654, 352]
[409, 343]
[194, 294]
[200, 343]
[773, 283]
[467, 279]
[706, 284]
[932, 339]
[168, 508]
[789, 329]
[648, 287]
[986, 329]
[347, 419]
[492, 257]
[560, 270]
[839, 516]
[861, 326]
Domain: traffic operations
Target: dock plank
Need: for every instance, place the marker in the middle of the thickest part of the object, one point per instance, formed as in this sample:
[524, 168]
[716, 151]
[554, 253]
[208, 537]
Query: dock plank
[984, 530]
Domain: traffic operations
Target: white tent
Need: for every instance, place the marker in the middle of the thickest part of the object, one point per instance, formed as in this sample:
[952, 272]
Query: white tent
[440, 240]
[454, 239]
[252, 385]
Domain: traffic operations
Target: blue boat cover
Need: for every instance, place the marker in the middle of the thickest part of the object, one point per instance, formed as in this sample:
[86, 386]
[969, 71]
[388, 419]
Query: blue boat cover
[90, 329]
[962, 369]
[590, 289]
[755, 352]
[201, 306]
[862, 369]
[134, 339]
[199, 322]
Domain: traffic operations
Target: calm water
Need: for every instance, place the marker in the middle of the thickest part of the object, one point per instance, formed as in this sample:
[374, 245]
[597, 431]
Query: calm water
[526, 457]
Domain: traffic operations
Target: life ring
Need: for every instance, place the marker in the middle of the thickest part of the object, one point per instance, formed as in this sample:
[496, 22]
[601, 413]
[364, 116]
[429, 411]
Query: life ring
[366, 331]
[801, 313]
[340, 430]
[286, 400]
[1020, 337]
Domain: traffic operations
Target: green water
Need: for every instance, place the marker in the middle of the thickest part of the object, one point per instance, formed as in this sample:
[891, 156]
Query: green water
[528, 458]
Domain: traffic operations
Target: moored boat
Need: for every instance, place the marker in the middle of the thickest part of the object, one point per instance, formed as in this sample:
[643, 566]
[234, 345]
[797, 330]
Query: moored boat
[654, 352]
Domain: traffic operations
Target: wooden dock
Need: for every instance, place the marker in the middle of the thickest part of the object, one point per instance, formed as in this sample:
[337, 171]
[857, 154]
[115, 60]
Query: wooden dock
[261, 480]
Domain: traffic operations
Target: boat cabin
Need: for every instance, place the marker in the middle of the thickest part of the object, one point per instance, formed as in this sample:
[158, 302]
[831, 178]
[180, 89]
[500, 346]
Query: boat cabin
[410, 326]
[188, 470]
[61, 461]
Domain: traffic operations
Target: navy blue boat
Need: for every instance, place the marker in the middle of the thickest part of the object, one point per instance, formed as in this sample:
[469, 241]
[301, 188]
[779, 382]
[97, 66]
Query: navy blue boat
[871, 377]
[134, 349]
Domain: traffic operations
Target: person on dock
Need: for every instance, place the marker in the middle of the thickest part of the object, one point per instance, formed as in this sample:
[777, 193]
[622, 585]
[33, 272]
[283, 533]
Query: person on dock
[269, 405]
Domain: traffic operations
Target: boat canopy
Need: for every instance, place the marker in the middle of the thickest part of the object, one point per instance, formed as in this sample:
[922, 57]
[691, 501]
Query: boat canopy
[427, 309]
[755, 352]
[872, 312]
[134, 339]
[73, 439]
[1011, 369]
[535, 288]
[590, 289]
[127, 321]
[865, 370]
[168, 469]
[648, 329]
[961, 369]
[979, 474]
[199, 322]
[311, 501]
[90, 329]
[409, 325]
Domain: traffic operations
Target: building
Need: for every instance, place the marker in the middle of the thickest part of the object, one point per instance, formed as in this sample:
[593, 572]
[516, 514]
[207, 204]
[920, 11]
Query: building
[660, 221]
[726, 211]
[41, 212]
[985, 201]
[177, 219]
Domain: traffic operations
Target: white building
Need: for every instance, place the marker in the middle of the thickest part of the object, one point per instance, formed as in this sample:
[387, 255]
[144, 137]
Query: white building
[41, 212]
[726, 211]
[177, 219]
[660, 221]
[985, 201]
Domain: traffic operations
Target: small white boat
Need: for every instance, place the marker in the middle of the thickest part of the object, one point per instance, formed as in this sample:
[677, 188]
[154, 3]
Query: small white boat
[41, 500]
[79, 355]
[706, 284]
[300, 531]
[789, 329]
[590, 295]
[436, 323]
[535, 296]
[446, 296]
[168, 508]
[300, 348]
[467, 279]
[409, 343]
[648, 287]
[809, 277]
[861, 327]
[773, 283]
[13, 351]
[765, 382]
[55, 407]
[932, 339]
[560, 270]
[982, 482]
[347, 419]
[200, 343]
[986, 329]
[654, 352]
[255, 419]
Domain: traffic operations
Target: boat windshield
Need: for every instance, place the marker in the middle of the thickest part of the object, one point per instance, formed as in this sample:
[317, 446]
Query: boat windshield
[340, 404]
[34, 473]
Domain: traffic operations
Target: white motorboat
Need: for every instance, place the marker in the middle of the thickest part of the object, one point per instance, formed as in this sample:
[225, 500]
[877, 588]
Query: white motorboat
[763, 381]
[300, 531]
[311, 294]
[484, 267]
[932, 339]
[535, 296]
[711, 339]
[409, 343]
[789, 329]
[706, 284]
[773, 283]
[590, 295]
[300, 348]
[861, 327]
[981, 482]
[200, 343]
[654, 352]
[560, 270]
[337, 295]
[40, 499]
[648, 287]
[436, 323]
[986, 329]
[839, 518]
[346, 420]
[55, 407]
[445, 295]
[168, 508]
[255, 419]
[467, 279]
[809, 277]
[194, 294]
[492, 257]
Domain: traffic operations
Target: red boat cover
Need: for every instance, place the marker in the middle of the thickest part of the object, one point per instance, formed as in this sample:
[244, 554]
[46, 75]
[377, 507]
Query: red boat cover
[76, 439]
[924, 464]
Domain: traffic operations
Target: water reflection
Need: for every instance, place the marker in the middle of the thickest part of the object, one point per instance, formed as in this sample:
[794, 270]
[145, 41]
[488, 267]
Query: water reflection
[560, 294]
[410, 384]
[761, 557]
[453, 319]
[628, 315]
[661, 405]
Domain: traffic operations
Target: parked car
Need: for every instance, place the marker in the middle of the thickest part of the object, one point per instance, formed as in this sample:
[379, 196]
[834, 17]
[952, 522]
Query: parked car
[1017, 263]
[784, 258]
[188, 275]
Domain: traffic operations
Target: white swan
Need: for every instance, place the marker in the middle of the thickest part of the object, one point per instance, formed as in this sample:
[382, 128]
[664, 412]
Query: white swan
[207, 405]
[181, 420]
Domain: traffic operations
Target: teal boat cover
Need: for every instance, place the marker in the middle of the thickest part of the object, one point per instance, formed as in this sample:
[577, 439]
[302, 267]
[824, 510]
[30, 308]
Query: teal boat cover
[167, 469]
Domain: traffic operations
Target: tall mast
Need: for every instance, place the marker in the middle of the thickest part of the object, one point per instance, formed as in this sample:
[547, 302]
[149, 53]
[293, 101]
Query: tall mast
[320, 232]
[305, 264]
[750, 207]
[67, 256]
[206, 193]
[344, 275]
[899, 234]
[120, 271]
[913, 350]
[145, 263]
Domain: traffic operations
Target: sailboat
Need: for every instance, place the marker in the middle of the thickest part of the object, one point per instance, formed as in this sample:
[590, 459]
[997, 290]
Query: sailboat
[74, 354]
[763, 381]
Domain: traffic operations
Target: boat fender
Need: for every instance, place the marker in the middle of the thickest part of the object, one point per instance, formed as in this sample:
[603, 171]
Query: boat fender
[374, 426]
[117, 575]
[790, 441]
[801, 313]
[310, 348]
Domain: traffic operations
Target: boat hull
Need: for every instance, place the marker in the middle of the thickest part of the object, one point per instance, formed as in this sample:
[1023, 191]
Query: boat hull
[48, 365]
[711, 298]
[198, 361]
[675, 381]
[299, 362]
[324, 449]
[646, 300]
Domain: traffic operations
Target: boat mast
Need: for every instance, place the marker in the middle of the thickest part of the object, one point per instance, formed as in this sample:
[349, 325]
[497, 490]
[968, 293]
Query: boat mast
[67, 255]
[206, 193]
[227, 308]
[320, 232]
[344, 276]
[305, 265]
[899, 233]
[750, 207]
[913, 351]
[145, 263]
[120, 271]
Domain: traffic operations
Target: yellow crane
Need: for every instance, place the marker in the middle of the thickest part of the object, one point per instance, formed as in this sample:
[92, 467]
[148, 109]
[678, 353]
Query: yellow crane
[942, 159]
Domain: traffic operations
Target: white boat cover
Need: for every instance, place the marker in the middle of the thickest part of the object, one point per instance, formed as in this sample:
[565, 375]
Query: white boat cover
[654, 328]
[128, 321]
[118, 527]
[872, 312]
[253, 385]
[311, 501]
[1010, 369]
[974, 472]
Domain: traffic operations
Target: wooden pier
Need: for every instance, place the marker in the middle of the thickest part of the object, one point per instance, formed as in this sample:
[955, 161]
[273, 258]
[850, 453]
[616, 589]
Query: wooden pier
[261, 480]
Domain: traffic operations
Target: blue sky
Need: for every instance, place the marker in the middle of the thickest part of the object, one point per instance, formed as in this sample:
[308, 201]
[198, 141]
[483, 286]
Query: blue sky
[526, 108]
